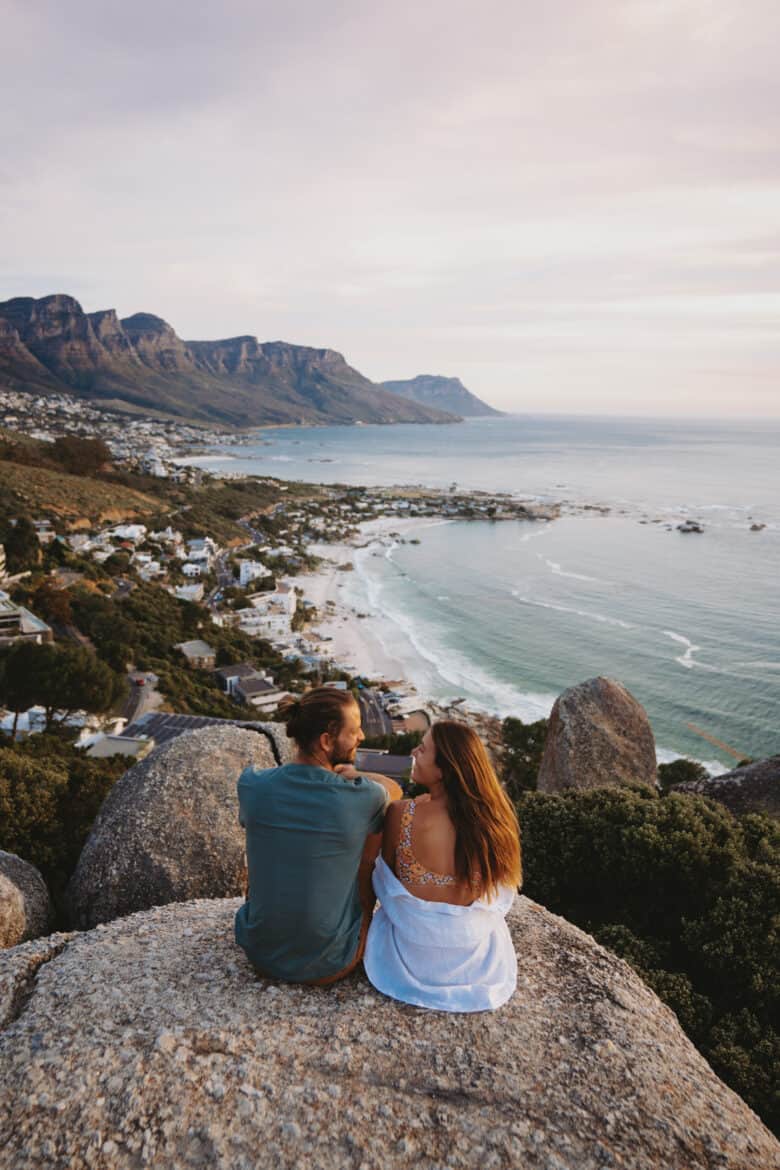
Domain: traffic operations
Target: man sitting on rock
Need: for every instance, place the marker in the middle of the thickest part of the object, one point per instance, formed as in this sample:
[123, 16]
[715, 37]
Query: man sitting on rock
[313, 831]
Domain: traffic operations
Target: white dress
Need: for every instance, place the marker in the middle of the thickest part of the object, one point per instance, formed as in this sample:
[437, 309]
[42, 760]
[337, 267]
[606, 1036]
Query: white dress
[434, 955]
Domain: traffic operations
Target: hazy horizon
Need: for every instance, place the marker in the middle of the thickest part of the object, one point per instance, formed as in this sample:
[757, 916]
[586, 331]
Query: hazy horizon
[574, 210]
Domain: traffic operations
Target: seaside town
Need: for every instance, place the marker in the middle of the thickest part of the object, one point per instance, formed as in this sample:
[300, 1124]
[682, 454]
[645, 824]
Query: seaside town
[269, 582]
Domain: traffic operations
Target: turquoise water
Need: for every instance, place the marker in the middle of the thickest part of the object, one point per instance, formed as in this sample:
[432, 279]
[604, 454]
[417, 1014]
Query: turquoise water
[508, 615]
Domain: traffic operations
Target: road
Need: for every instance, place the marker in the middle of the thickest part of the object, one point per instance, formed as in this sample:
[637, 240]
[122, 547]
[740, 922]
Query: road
[373, 716]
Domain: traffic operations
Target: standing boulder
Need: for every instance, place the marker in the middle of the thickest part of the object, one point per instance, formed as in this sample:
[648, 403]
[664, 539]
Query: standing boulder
[25, 906]
[168, 830]
[598, 736]
[752, 789]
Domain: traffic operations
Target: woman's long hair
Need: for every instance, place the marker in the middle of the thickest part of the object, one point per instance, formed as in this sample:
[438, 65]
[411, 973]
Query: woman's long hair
[487, 843]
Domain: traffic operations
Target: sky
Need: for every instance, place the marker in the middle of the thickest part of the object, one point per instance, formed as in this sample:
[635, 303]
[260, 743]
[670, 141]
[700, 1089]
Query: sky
[573, 206]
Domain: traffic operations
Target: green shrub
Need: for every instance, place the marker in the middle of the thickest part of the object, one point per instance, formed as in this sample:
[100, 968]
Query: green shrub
[689, 896]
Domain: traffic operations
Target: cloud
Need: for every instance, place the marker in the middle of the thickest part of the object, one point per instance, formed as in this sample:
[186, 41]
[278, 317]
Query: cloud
[532, 194]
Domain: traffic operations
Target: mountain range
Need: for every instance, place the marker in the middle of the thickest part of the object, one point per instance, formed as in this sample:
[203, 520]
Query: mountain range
[443, 394]
[138, 363]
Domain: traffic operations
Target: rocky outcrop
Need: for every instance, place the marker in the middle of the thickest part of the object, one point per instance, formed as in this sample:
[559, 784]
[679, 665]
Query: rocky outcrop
[752, 789]
[443, 393]
[598, 735]
[150, 1042]
[168, 830]
[51, 344]
[25, 906]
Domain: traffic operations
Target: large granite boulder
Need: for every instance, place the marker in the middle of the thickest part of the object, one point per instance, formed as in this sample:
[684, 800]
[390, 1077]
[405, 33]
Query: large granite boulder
[598, 736]
[168, 830]
[150, 1042]
[25, 906]
[752, 789]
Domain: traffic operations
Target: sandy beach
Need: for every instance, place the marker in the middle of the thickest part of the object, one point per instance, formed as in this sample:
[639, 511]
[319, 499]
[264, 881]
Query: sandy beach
[348, 636]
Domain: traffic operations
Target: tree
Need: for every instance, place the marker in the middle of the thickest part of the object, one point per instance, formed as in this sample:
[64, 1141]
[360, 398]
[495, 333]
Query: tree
[23, 676]
[22, 547]
[62, 679]
[81, 456]
[52, 603]
[523, 745]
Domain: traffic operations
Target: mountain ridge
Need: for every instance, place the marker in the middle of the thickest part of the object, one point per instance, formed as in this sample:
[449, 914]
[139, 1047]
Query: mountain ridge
[443, 394]
[50, 345]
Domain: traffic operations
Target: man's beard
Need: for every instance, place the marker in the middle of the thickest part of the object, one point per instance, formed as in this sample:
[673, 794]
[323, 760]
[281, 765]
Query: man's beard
[342, 756]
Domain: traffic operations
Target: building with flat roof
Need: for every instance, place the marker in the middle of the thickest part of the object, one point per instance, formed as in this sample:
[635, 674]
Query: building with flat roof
[17, 624]
[199, 654]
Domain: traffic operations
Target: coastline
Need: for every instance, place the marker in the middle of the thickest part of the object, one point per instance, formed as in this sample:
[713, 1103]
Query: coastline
[352, 637]
[372, 645]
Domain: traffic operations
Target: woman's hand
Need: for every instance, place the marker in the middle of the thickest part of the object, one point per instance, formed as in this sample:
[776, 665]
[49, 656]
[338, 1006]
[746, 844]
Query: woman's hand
[348, 771]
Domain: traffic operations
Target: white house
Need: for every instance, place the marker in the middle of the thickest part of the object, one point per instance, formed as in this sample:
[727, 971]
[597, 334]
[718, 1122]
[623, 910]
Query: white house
[190, 569]
[134, 532]
[189, 592]
[250, 571]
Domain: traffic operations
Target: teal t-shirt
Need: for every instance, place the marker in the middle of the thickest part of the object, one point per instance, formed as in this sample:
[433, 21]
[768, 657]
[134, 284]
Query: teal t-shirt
[305, 832]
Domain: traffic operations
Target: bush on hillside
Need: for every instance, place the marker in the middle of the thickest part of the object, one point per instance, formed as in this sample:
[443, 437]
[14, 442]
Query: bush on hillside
[680, 771]
[50, 793]
[523, 746]
[688, 895]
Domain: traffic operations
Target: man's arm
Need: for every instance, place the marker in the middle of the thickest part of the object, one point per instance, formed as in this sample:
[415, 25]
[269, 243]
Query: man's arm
[350, 772]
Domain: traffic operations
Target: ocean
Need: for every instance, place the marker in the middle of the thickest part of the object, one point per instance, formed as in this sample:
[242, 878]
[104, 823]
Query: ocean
[508, 615]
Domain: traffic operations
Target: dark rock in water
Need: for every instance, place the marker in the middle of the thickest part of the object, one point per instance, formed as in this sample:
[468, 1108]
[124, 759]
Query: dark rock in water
[690, 526]
[25, 906]
[757, 527]
[598, 736]
[752, 789]
[168, 831]
[150, 1042]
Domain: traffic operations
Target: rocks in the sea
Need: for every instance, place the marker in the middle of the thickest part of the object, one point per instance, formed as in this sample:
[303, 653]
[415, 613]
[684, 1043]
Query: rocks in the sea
[754, 788]
[690, 526]
[25, 906]
[598, 736]
[168, 830]
[757, 527]
[150, 1042]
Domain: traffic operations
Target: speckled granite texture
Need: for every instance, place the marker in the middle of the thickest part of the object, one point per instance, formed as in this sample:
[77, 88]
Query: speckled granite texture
[149, 1042]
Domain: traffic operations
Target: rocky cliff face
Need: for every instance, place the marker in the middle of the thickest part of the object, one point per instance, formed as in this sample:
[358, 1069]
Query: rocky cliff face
[150, 1042]
[442, 393]
[51, 344]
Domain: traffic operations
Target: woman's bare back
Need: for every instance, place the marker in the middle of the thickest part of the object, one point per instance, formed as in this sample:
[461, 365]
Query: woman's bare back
[419, 846]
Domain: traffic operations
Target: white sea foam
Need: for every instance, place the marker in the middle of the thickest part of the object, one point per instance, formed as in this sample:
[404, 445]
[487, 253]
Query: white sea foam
[669, 755]
[685, 659]
[555, 567]
[433, 667]
[595, 617]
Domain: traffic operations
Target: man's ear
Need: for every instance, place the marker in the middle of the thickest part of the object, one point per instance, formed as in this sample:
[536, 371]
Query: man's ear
[327, 743]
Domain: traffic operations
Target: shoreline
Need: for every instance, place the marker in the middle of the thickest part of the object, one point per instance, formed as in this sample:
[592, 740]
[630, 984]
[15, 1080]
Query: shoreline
[350, 636]
[354, 639]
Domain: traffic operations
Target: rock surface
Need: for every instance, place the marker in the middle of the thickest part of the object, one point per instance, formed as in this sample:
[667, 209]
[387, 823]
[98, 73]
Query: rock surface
[149, 1042]
[754, 788]
[25, 906]
[598, 736]
[168, 831]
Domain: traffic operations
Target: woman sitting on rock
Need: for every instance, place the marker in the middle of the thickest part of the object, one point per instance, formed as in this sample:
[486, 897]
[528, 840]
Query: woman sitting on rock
[448, 873]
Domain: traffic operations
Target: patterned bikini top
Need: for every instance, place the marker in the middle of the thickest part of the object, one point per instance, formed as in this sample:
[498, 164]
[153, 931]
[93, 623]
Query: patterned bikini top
[407, 867]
